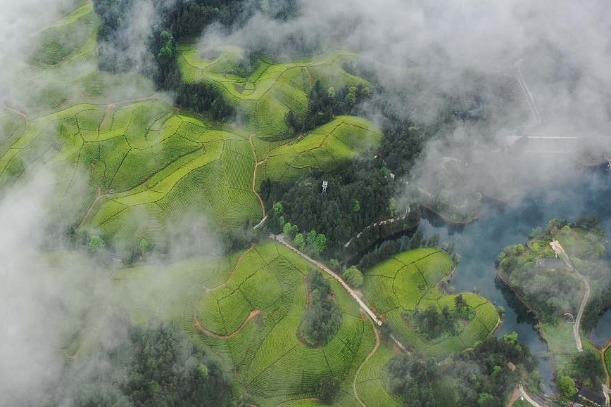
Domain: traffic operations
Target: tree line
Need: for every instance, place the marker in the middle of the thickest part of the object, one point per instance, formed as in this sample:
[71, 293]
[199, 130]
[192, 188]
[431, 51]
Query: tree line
[323, 317]
[482, 376]
[174, 21]
[325, 104]
[154, 365]
[432, 323]
[389, 247]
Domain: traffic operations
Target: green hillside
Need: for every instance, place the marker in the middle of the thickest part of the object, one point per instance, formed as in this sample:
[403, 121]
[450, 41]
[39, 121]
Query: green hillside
[410, 281]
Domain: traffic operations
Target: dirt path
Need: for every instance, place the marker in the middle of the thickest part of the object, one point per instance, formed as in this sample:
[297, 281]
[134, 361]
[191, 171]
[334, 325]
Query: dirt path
[17, 112]
[353, 294]
[284, 403]
[514, 397]
[253, 314]
[99, 195]
[381, 222]
[356, 375]
[559, 250]
[364, 307]
[254, 182]
[527, 397]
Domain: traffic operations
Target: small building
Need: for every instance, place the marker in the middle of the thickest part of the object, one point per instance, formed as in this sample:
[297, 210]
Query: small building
[587, 395]
[551, 263]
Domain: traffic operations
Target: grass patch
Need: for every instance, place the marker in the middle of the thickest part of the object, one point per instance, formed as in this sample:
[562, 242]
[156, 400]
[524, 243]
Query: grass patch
[561, 343]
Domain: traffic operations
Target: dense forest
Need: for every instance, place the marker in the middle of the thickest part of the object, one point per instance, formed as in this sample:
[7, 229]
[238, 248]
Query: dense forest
[483, 376]
[156, 365]
[357, 196]
[323, 317]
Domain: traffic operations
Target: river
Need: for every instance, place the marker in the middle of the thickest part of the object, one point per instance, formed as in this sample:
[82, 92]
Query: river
[479, 244]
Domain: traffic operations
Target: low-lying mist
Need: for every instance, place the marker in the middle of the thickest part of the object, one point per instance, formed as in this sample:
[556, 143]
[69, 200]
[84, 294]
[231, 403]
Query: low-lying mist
[420, 54]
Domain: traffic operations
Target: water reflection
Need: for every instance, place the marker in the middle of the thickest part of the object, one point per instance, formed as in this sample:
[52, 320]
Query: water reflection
[479, 244]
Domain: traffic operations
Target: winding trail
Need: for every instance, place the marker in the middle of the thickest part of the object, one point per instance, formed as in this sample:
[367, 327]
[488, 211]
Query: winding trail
[559, 250]
[356, 375]
[17, 112]
[284, 403]
[254, 183]
[280, 239]
[381, 222]
[364, 307]
[253, 314]
[98, 197]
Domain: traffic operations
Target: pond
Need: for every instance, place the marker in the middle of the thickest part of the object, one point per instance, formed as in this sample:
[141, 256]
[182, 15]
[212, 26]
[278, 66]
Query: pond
[479, 244]
[601, 335]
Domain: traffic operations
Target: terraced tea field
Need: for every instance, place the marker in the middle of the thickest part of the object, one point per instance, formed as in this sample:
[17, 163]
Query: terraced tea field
[146, 164]
[324, 149]
[410, 281]
[139, 165]
[272, 90]
[247, 309]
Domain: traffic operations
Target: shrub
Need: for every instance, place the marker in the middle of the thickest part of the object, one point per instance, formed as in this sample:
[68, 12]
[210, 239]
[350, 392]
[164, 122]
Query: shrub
[353, 277]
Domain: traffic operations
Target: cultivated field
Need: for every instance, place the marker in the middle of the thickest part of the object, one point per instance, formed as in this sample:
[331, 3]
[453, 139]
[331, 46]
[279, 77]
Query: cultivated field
[323, 149]
[141, 164]
[410, 281]
[247, 309]
[268, 93]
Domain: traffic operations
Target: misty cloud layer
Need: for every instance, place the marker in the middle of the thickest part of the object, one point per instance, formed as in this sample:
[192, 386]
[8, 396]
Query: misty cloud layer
[421, 48]
[44, 297]
[425, 50]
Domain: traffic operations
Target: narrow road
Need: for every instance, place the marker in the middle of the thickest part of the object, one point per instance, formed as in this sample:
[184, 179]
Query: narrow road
[364, 307]
[536, 118]
[559, 250]
[528, 398]
[582, 307]
[381, 222]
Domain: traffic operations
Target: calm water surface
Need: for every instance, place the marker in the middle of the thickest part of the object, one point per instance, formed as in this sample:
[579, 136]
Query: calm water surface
[479, 244]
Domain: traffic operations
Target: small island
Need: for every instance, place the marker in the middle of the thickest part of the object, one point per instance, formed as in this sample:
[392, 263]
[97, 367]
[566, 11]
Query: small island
[560, 275]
